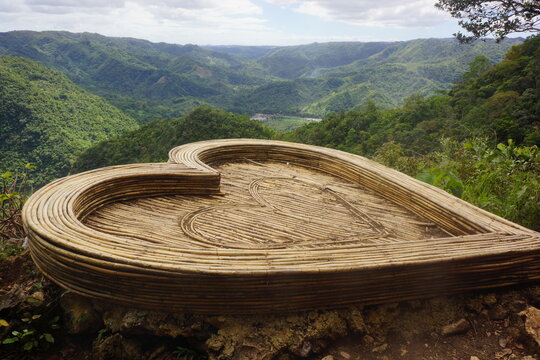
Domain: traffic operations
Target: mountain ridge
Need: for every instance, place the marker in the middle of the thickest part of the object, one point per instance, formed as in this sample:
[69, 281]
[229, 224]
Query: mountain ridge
[158, 80]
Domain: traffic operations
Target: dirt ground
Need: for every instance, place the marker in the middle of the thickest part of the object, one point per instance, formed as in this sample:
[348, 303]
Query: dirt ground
[495, 324]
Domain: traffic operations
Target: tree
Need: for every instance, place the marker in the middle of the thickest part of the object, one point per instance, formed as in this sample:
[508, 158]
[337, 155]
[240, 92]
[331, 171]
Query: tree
[496, 17]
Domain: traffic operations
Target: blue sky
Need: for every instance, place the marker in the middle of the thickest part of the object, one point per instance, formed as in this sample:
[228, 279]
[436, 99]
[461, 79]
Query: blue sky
[242, 22]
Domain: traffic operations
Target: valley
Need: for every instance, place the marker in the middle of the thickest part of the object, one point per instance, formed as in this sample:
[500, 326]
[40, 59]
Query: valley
[157, 80]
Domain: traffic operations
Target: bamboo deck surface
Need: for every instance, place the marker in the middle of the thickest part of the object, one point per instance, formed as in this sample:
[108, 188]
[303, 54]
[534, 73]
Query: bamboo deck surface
[256, 226]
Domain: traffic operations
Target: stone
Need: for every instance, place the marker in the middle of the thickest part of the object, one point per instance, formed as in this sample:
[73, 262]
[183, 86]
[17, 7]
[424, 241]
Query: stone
[79, 314]
[517, 306]
[504, 353]
[498, 312]
[459, 327]
[117, 346]
[489, 299]
[369, 339]
[305, 349]
[356, 321]
[380, 348]
[475, 358]
[345, 355]
[328, 357]
[475, 304]
[532, 323]
[215, 343]
[38, 295]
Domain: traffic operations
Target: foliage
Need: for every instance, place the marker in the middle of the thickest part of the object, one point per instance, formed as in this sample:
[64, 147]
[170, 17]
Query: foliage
[499, 17]
[504, 180]
[35, 333]
[151, 81]
[152, 141]
[499, 102]
[47, 120]
[13, 192]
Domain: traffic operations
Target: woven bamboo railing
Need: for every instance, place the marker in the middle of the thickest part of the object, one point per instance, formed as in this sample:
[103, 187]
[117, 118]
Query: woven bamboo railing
[256, 226]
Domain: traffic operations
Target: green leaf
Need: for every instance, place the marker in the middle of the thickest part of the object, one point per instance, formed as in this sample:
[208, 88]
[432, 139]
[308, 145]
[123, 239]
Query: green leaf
[49, 337]
[28, 346]
[3, 323]
[37, 316]
[32, 300]
[10, 340]
[27, 332]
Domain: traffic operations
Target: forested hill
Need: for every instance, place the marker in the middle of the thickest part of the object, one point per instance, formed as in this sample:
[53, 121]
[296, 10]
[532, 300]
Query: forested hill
[136, 75]
[156, 80]
[152, 141]
[46, 120]
[465, 141]
[499, 102]
[491, 104]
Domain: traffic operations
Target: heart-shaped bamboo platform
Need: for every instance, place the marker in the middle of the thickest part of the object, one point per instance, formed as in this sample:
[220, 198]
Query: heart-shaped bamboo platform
[253, 226]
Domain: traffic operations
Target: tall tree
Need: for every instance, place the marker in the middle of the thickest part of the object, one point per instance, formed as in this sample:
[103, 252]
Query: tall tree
[493, 17]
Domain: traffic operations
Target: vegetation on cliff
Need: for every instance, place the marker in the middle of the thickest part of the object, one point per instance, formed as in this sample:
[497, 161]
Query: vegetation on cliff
[152, 141]
[46, 120]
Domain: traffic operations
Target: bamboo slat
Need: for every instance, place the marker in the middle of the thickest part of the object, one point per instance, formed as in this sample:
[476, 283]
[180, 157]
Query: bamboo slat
[257, 226]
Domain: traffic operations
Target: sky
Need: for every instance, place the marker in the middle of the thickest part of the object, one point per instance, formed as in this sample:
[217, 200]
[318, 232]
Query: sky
[234, 22]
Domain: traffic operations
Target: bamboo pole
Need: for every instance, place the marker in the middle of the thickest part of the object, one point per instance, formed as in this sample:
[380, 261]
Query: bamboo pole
[252, 226]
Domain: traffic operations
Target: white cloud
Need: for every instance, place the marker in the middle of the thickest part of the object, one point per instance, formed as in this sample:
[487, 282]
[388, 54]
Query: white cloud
[76, 3]
[179, 21]
[240, 22]
[392, 13]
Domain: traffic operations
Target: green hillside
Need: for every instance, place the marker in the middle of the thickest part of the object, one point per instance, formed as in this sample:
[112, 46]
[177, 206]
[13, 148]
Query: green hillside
[152, 142]
[46, 120]
[501, 101]
[157, 80]
[385, 73]
[146, 80]
[498, 102]
[478, 141]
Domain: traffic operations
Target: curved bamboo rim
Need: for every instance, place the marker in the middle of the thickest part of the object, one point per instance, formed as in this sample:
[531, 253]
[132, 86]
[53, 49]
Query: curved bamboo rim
[228, 280]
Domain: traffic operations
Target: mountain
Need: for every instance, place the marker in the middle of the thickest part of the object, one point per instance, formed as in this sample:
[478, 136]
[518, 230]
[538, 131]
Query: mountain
[152, 141]
[382, 72]
[243, 52]
[497, 102]
[147, 80]
[157, 80]
[478, 141]
[46, 120]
